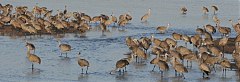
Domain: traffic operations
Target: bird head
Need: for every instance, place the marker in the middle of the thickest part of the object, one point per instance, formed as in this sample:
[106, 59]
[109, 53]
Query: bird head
[79, 53]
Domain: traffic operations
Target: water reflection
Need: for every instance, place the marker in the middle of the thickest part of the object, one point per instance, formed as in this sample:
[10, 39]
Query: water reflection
[83, 77]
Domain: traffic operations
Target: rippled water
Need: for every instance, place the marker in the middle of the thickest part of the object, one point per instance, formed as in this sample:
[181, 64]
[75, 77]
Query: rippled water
[103, 52]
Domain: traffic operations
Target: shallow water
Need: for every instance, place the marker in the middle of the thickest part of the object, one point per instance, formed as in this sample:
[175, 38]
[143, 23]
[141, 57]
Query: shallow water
[103, 52]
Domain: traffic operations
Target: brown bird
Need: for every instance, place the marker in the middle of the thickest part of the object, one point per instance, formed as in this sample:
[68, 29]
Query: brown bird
[64, 48]
[184, 10]
[163, 29]
[119, 65]
[223, 41]
[215, 9]
[30, 46]
[205, 10]
[146, 16]
[225, 63]
[33, 58]
[82, 63]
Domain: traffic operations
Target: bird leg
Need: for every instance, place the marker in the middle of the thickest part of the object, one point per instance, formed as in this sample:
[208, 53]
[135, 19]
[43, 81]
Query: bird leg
[82, 71]
[161, 73]
[187, 63]
[32, 66]
[87, 70]
[223, 52]
[223, 72]
[203, 74]
[183, 76]
[153, 67]
[66, 54]
[125, 68]
[175, 73]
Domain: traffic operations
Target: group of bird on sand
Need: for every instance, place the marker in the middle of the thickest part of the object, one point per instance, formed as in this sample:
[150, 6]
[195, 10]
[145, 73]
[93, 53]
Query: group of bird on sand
[168, 52]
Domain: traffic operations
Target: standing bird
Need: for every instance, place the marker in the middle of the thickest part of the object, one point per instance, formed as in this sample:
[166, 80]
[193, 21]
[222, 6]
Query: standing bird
[120, 64]
[205, 10]
[204, 67]
[82, 63]
[146, 16]
[162, 29]
[30, 46]
[184, 10]
[33, 58]
[64, 48]
[225, 64]
[209, 28]
[215, 9]
[179, 67]
[223, 41]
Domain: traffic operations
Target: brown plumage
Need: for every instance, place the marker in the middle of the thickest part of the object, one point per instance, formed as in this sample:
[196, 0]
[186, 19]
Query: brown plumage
[176, 36]
[83, 63]
[210, 28]
[30, 46]
[64, 48]
[183, 10]
[205, 10]
[178, 67]
[235, 26]
[204, 67]
[223, 41]
[119, 65]
[163, 29]
[225, 63]
[146, 16]
[215, 9]
[33, 58]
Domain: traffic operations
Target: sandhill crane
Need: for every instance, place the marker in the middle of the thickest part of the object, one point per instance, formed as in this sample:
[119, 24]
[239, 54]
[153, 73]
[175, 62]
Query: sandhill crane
[202, 49]
[176, 54]
[225, 63]
[145, 43]
[223, 30]
[156, 50]
[155, 41]
[172, 43]
[82, 63]
[130, 42]
[114, 18]
[163, 29]
[176, 36]
[215, 9]
[205, 10]
[200, 30]
[64, 47]
[214, 50]
[103, 28]
[119, 65]
[164, 45]
[183, 10]
[146, 16]
[139, 53]
[163, 66]
[235, 26]
[178, 67]
[204, 67]
[129, 59]
[33, 58]
[30, 46]
[186, 39]
[210, 28]
[223, 41]
[190, 57]
[155, 60]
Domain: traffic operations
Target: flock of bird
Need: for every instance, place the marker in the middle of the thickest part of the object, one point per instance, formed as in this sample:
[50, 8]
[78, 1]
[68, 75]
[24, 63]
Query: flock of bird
[168, 52]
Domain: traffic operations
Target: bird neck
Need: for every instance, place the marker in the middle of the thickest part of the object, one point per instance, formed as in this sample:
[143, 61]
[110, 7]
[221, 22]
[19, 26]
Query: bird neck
[28, 53]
